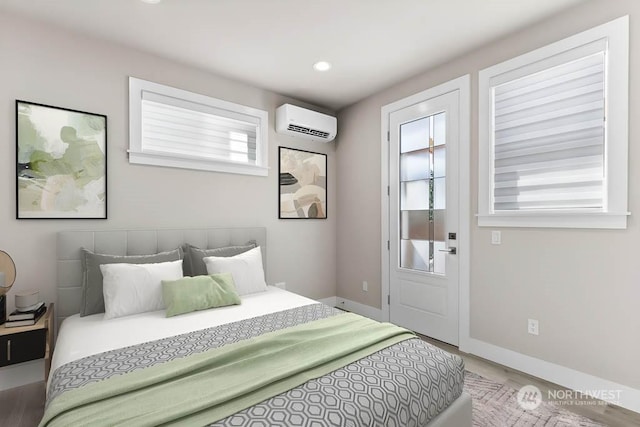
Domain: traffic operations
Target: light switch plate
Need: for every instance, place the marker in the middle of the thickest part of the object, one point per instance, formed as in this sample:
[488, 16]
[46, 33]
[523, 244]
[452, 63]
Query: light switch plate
[496, 237]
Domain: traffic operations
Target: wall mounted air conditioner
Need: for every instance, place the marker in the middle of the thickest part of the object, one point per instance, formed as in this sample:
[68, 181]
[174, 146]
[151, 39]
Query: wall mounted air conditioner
[297, 121]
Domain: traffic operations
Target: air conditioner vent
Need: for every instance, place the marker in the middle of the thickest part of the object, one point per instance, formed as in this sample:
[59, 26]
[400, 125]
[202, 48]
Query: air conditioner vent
[313, 132]
[303, 123]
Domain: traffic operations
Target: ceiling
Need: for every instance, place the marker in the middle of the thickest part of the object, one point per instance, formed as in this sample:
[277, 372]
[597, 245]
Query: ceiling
[273, 44]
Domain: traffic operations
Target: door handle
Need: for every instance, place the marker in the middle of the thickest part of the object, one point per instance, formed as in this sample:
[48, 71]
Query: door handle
[451, 250]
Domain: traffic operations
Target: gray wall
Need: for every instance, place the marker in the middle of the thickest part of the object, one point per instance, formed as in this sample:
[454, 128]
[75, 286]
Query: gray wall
[51, 66]
[582, 285]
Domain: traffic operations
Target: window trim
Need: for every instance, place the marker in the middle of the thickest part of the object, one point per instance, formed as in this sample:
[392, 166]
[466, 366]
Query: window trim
[137, 155]
[614, 214]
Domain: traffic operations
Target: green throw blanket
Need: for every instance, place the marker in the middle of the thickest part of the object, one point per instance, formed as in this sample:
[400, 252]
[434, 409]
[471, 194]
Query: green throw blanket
[209, 386]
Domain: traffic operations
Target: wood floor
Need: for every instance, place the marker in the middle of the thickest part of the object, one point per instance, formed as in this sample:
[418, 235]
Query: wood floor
[24, 406]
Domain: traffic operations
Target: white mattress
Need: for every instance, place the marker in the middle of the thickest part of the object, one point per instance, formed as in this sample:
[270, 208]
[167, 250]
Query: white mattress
[84, 336]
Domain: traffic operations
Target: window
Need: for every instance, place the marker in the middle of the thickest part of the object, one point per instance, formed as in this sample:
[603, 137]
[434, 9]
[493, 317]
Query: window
[553, 134]
[175, 128]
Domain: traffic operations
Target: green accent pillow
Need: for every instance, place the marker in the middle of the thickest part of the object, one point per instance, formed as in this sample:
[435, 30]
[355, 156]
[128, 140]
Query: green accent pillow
[199, 293]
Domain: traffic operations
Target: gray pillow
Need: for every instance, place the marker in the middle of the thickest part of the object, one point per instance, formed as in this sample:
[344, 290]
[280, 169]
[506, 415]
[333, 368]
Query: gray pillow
[92, 298]
[194, 265]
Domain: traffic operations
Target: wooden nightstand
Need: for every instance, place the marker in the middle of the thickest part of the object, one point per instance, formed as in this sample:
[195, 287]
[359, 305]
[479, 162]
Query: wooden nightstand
[26, 343]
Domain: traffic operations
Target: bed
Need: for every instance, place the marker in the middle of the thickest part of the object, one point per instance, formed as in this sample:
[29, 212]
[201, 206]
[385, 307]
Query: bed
[391, 380]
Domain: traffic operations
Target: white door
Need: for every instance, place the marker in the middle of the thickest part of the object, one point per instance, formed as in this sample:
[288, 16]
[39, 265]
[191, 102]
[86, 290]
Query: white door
[423, 217]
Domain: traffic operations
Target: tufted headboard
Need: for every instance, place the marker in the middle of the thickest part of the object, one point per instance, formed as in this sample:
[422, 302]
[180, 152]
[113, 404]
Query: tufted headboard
[134, 242]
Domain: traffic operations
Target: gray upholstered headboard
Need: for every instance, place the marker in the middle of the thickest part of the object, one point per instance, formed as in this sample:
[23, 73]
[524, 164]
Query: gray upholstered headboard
[135, 242]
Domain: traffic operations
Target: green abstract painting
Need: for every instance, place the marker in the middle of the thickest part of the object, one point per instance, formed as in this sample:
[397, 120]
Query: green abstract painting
[61, 162]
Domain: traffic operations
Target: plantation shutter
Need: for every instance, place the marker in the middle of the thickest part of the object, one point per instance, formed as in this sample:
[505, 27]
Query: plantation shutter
[191, 130]
[549, 144]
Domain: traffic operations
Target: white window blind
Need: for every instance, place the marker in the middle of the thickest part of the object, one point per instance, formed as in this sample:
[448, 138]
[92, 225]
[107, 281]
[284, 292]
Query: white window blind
[553, 134]
[176, 128]
[549, 138]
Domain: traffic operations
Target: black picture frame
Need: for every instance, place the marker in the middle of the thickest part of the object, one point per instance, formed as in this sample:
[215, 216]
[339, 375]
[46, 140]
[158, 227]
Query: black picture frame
[61, 163]
[302, 184]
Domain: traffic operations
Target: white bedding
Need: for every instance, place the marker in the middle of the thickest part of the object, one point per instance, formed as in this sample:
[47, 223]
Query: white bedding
[84, 336]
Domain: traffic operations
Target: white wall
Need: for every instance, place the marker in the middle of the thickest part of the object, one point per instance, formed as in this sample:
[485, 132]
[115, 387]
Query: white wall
[46, 65]
[582, 285]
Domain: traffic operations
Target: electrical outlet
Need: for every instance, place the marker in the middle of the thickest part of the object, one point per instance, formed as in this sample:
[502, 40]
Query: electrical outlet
[365, 286]
[496, 237]
[532, 327]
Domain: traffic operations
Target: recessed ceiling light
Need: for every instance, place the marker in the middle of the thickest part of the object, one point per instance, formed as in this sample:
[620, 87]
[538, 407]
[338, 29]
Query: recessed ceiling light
[322, 66]
[151, 1]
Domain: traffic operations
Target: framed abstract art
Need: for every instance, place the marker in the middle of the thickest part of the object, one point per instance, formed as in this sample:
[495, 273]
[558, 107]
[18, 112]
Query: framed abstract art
[61, 163]
[303, 184]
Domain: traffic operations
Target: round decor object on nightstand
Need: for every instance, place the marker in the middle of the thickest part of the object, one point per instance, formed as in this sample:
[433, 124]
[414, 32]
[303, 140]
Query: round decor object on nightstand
[7, 272]
[7, 277]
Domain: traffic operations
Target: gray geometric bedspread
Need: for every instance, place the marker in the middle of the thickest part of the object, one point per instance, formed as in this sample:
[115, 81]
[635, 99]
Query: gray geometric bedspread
[404, 385]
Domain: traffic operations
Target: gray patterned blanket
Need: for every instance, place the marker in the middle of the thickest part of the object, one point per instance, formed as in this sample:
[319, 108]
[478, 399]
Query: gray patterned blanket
[406, 384]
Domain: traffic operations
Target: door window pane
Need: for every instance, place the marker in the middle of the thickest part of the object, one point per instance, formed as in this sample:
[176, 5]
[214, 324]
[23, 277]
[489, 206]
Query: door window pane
[414, 195]
[415, 254]
[423, 194]
[439, 161]
[416, 225]
[439, 129]
[439, 193]
[415, 135]
[414, 165]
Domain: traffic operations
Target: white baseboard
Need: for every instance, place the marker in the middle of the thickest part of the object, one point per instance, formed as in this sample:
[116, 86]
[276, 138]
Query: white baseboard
[361, 309]
[629, 398]
[331, 301]
[21, 374]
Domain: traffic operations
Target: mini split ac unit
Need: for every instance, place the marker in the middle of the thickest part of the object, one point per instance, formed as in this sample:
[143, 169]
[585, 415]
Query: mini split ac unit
[303, 123]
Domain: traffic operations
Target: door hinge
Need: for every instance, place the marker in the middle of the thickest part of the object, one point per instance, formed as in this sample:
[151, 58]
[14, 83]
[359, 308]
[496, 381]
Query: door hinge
[388, 136]
[388, 245]
[388, 190]
[388, 299]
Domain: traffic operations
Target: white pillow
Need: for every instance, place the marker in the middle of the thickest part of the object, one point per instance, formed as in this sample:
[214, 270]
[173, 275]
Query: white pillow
[246, 269]
[136, 288]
